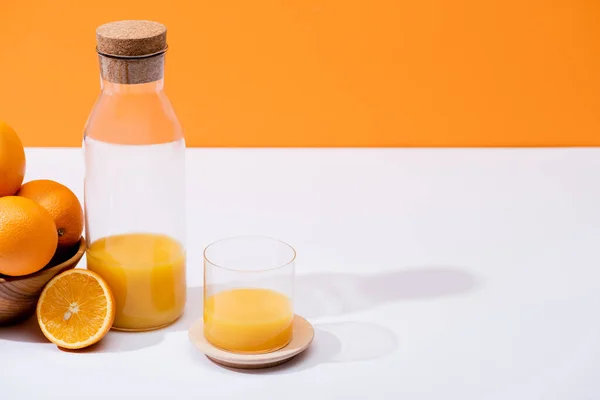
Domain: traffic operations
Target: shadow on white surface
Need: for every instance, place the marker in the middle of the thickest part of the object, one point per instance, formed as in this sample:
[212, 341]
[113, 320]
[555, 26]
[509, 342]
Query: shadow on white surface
[341, 342]
[325, 295]
[26, 331]
[116, 341]
[360, 341]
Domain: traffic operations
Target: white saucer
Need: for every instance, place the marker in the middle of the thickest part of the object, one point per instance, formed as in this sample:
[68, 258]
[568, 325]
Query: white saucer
[301, 338]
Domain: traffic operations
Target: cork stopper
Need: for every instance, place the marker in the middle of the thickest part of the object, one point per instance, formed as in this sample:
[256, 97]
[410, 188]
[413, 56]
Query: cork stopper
[131, 51]
[131, 38]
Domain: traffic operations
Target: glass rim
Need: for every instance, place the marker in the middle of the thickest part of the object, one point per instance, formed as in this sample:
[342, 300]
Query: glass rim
[230, 238]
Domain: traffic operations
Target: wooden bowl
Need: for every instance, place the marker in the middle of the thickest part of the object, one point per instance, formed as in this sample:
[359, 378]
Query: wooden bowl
[19, 294]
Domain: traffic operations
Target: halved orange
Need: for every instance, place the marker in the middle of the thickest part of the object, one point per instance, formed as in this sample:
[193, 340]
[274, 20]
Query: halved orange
[76, 309]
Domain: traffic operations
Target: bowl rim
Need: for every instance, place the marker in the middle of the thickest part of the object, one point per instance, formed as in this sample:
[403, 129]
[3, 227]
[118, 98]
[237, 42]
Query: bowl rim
[77, 256]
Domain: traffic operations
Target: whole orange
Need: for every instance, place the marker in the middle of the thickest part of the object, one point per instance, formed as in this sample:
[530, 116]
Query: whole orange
[12, 161]
[28, 237]
[61, 203]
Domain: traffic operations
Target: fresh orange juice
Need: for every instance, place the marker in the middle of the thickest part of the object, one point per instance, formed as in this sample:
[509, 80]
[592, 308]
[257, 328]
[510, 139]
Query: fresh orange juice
[146, 273]
[248, 320]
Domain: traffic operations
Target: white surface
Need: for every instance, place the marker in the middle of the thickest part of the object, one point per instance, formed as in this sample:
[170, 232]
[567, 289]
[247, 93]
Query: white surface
[428, 274]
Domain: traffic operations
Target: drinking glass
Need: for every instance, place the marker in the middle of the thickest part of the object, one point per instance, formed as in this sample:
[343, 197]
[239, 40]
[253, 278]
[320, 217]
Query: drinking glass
[248, 294]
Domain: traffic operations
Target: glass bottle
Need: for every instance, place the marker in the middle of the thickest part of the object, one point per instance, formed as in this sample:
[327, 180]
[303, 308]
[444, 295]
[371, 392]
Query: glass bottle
[134, 190]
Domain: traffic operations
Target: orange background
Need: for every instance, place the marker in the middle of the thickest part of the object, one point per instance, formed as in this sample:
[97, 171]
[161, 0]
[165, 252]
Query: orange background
[323, 73]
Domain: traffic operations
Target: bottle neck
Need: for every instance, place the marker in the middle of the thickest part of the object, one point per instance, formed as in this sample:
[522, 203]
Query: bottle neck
[113, 88]
[143, 75]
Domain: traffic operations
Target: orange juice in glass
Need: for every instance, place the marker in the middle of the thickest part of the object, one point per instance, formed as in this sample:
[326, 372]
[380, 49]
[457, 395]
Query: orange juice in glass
[248, 294]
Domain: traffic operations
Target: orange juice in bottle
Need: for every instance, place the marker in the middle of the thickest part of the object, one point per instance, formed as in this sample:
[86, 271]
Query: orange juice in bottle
[134, 151]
